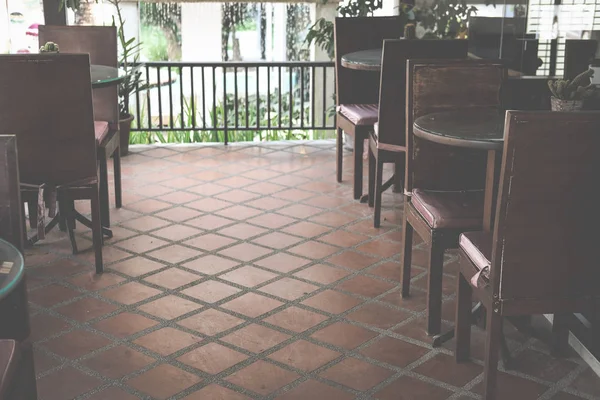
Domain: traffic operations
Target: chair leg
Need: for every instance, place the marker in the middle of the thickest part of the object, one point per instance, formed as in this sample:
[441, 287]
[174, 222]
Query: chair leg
[117, 177]
[407, 238]
[560, 334]
[435, 269]
[25, 387]
[359, 146]
[372, 168]
[492, 352]
[378, 185]
[462, 328]
[97, 229]
[104, 200]
[339, 154]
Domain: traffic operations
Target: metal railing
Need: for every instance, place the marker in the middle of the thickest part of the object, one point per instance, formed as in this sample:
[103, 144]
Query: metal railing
[230, 101]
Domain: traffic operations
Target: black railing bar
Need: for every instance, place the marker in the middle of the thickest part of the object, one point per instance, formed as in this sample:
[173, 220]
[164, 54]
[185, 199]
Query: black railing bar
[235, 91]
[257, 99]
[302, 97]
[170, 100]
[312, 95]
[193, 99]
[214, 92]
[160, 117]
[290, 71]
[203, 99]
[269, 97]
[138, 117]
[246, 85]
[181, 98]
[148, 97]
[279, 103]
[324, 97]
[225, 122]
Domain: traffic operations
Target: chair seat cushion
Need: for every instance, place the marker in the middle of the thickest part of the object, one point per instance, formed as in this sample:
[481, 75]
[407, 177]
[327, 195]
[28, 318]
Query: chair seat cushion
[360, 114]
[101, 130]
[478, 247]
[8, 364]
[450, 210]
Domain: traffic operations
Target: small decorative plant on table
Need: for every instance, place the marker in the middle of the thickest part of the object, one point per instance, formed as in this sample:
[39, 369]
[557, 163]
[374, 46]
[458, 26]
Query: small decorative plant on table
[570, 95]
[49, 47]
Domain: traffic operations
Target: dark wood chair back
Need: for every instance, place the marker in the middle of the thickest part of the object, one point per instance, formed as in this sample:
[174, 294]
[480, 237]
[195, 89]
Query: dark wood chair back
[392, 95]
[579, 54]
[46, 101]
[11, 207]
[355, 34]
[100, 42]
[447, 85]
[545, 236]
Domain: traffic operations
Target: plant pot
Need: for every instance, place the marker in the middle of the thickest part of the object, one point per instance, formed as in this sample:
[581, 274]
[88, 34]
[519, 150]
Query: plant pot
[124, 133]
[566, 105]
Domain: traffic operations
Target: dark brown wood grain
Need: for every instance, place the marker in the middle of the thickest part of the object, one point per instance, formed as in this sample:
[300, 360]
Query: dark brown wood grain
[100, 42]
[464, 86]
[46, 102]
[358, 87]
[544, 257]
[11, 215]
[389, 143]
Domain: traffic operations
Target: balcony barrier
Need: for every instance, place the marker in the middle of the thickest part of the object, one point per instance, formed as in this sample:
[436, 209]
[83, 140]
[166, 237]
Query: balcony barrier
[235, 101]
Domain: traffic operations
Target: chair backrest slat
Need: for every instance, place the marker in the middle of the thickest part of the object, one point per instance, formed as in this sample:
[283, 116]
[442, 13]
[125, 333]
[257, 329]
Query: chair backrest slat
[545, 245]
[356, 34]
[448, 85]
[392, 95]
[46, 101]
[11, 217]
[100, 42]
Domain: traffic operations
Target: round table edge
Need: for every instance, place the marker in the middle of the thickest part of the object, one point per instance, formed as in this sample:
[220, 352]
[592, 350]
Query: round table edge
[457, 142]
[360, 66]
[16, 282]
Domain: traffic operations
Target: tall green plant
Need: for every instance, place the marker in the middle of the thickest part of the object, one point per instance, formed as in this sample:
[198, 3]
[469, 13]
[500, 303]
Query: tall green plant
[129, 62]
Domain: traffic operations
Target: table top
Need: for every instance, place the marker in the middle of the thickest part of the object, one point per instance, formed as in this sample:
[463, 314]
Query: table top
[364, 60]
[103, 75]
[479, 128]
[11, 268]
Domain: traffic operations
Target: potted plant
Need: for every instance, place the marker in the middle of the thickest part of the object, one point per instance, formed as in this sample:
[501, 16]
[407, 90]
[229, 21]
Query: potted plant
[569, 95]
[132, 83]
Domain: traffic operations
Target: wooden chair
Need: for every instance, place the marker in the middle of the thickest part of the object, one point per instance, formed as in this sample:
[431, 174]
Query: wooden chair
[358, 91]
[17, 372]
[387, 141]
[100, 42]
[46, 101]
[541, 257]
[444, 184]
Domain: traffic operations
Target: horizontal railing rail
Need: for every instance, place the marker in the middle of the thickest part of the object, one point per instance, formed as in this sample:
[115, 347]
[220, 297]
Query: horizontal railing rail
[235, 101]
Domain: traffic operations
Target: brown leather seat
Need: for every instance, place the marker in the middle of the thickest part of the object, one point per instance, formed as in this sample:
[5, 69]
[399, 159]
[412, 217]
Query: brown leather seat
[101, 130]
[450, 210]
[9, 358]
[478, 247]
[360, 114]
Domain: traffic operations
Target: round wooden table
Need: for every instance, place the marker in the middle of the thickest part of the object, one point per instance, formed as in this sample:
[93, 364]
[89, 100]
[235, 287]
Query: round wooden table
[103, 75]
[477, 129]
[364, 60]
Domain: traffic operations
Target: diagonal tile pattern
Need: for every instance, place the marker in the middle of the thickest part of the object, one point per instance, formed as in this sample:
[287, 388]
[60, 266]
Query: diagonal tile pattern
[247, 272]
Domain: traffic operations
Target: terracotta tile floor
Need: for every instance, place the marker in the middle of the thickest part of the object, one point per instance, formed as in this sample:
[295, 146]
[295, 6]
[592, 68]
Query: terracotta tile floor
[247, 272]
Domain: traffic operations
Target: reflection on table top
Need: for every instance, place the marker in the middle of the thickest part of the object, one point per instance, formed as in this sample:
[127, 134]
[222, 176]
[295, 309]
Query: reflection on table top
[476, 128]
[11, 268]
[103, 75]
[370, 60]
[364, 60]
